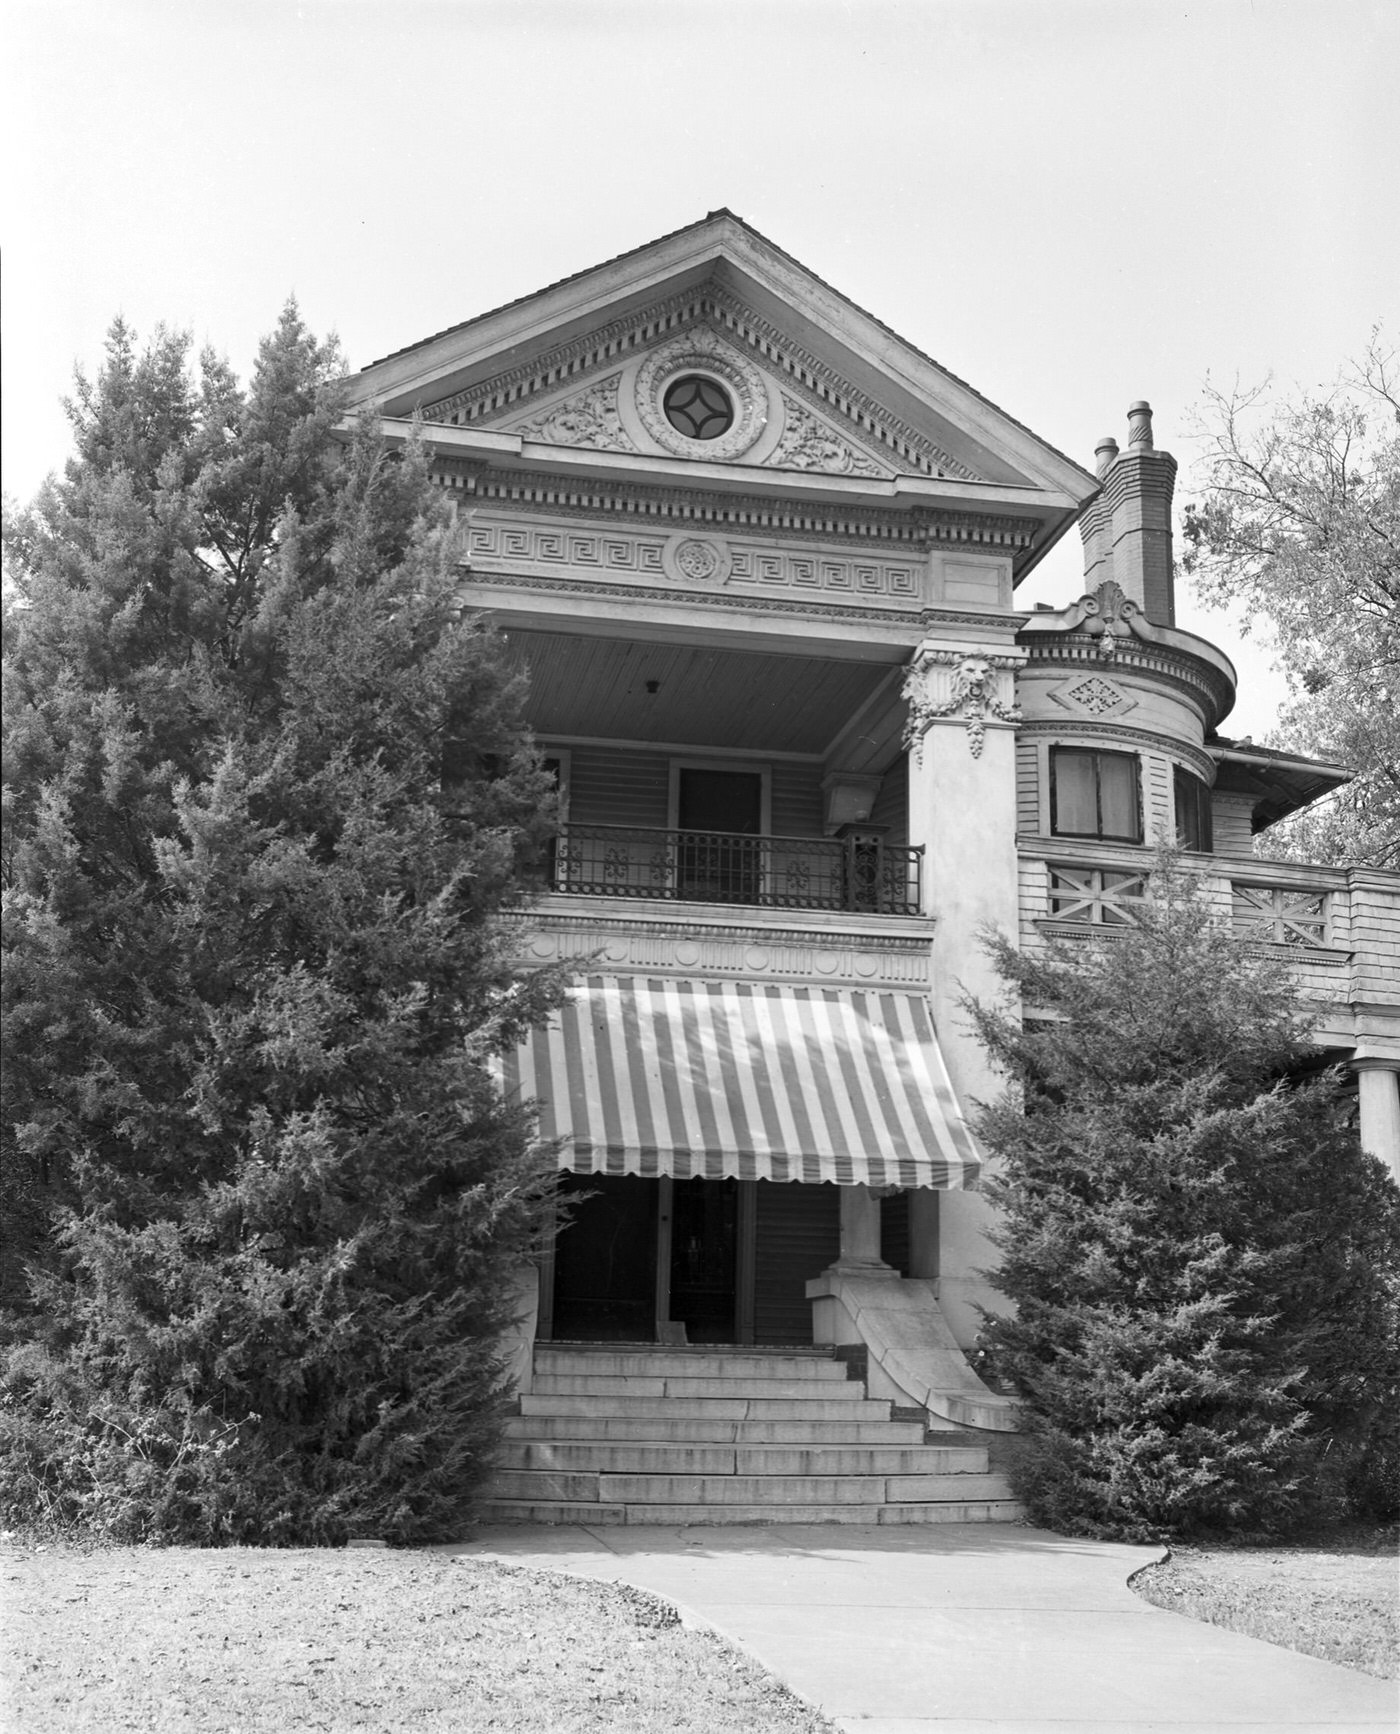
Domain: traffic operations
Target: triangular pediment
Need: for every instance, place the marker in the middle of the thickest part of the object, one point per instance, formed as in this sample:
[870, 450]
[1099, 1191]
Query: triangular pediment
[808, 380]
[773, 422]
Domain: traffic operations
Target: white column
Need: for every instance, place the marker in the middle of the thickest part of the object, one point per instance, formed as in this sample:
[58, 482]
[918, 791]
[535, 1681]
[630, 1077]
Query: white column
[860, 1231]
[962, 809]
[1378, 1082]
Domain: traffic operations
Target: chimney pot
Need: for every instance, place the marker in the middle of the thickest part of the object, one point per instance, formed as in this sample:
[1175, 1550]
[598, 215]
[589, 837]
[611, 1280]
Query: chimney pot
[1106, 452]
[1140, 426]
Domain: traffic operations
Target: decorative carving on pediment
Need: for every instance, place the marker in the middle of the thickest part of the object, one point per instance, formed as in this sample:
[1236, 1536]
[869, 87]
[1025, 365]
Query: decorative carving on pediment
[961, 685]
[702, 351]
[718, 311]
[588, 418]
[1109, 615]
[809, 443]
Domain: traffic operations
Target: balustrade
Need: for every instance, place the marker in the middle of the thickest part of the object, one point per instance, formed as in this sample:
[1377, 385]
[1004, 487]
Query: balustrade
[840, 873]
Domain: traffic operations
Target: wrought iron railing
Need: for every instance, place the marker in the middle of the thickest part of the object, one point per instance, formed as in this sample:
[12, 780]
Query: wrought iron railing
[845, 873]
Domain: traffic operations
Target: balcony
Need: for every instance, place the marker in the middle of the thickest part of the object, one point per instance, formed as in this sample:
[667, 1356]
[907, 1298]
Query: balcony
[859, 874]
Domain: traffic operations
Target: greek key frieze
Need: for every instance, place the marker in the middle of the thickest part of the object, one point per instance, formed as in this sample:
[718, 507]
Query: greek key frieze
[709, 561]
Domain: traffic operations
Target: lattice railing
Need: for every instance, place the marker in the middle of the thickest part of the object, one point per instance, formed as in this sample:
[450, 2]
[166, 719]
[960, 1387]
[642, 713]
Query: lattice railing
[1105, 896]
[1279, 915]
[843, 873]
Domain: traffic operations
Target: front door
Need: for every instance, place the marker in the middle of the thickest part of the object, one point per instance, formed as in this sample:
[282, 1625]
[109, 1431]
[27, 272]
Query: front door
[727, 1260]
[720, 816]
[704, 1259]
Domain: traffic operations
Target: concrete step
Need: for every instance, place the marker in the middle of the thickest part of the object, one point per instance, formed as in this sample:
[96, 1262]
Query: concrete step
[729, 1489]
[688, 1459]
[677, 1385]
[718, 1432]
[692, 1364]
[567, 1511]
[709, 1408]
[955, 1511]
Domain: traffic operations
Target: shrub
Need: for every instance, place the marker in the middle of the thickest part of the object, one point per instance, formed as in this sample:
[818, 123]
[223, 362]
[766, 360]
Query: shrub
[1203, 1262]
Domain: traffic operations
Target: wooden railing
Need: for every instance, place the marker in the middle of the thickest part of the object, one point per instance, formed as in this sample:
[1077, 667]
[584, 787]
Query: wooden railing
[841, 873]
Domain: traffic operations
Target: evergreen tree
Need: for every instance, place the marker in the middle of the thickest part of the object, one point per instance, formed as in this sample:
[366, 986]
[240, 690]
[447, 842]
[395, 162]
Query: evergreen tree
[267, 795]
[1204, 1264]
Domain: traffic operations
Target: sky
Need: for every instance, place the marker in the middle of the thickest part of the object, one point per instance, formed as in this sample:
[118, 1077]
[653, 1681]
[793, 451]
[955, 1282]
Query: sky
[1071, 204]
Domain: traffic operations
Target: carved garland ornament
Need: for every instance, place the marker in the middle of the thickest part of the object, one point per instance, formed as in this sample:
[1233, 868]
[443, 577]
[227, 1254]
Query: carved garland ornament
[808, 444]
[973, 697]
[700, 351]
[589, 418]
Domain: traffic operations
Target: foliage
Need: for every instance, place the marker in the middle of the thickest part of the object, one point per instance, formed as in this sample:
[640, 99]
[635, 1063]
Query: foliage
[1299, 521]
[266, 795]
[1204, 1264]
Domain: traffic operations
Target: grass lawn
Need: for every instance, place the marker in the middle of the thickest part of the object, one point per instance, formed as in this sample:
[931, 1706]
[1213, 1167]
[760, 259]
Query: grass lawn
[1338, 1598]
[248, 1639]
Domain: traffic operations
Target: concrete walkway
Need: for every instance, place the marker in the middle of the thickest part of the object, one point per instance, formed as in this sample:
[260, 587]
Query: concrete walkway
[963, 1629]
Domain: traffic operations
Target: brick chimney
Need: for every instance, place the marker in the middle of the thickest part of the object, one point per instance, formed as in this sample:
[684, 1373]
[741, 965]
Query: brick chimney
[1127, 526]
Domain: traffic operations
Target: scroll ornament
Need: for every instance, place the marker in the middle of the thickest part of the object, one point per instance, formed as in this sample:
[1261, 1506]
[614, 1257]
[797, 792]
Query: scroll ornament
[973, 697]
[1109, 615]
[590, 419]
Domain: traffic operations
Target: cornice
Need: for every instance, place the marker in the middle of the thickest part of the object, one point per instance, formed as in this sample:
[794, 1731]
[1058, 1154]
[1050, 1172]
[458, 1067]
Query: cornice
[618, 340]
[807, 609]
[531, 492]
[1179, 667]
[1077, 729]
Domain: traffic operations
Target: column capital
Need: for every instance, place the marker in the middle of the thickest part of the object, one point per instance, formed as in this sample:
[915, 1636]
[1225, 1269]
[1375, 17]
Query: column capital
[961, 683]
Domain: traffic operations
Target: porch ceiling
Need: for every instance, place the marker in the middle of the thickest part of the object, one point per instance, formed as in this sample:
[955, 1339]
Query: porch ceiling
[704, 697]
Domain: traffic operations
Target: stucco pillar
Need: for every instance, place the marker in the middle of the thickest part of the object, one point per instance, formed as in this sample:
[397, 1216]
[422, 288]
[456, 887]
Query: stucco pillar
[860, 1230]
[962, 810]
[1378, 1082]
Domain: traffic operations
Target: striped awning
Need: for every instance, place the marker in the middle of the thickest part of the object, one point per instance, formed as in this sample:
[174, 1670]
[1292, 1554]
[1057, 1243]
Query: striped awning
[755, 1081]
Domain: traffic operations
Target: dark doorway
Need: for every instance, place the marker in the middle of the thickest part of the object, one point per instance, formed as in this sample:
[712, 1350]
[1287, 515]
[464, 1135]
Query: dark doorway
[723, 868]
[605, 1260]
[704, 1246]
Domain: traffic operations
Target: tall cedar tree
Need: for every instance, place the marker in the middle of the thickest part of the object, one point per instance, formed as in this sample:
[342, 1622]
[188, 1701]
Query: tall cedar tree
[267, 793]
[1205, 1265]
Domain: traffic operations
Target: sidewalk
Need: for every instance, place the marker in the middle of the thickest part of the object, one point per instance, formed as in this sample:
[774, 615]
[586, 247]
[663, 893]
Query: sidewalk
[964, 1629]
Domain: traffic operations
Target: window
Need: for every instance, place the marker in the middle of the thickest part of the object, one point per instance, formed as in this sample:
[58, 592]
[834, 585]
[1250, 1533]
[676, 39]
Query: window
[1094, 794]
[1192, 799]
[698, 407]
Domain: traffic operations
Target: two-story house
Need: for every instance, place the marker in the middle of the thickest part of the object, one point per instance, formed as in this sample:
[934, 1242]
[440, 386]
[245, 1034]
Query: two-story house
[759, 556]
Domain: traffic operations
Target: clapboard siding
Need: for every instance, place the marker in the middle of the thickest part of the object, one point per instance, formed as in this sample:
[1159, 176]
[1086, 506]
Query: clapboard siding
[611, 786]
[1034, 882]
[1375, 935]
[616, 786]
[797, 800]
[892, 803]
[797, 1235]
[1027, 788]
